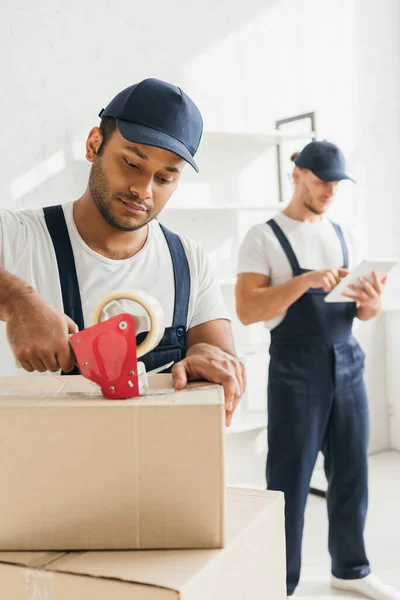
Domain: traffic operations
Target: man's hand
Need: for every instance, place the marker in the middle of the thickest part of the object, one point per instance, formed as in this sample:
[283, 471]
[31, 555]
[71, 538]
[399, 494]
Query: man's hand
[38, 335]
[205, 361]
[367, 296]
[327, 279]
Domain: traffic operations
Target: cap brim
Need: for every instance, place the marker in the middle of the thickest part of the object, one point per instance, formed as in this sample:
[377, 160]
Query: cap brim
[140, 134]
[331, 175]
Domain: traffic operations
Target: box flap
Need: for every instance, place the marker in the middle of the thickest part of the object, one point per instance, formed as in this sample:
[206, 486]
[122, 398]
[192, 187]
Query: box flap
[171, 569]
[75, 390]
[30, 559]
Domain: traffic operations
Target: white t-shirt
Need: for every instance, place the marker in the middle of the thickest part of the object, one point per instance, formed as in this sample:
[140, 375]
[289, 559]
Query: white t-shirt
[26, 250]
[316, 246]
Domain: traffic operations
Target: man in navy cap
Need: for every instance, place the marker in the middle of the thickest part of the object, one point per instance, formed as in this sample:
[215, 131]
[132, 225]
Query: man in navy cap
[316, 392]
[57, 262]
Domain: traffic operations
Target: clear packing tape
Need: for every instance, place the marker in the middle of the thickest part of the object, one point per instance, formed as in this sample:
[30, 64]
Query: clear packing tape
[153, 322]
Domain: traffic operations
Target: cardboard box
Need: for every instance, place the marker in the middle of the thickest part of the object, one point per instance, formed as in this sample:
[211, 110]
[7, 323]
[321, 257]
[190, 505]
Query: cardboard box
[250, 567]
[78, 472]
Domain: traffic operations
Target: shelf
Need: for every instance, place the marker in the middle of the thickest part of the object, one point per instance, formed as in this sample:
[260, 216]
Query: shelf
[250, 422]
[268, 138]
[221, 207]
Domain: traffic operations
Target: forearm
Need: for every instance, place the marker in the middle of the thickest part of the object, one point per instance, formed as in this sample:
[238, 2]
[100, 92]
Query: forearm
[264, 304]
[12, 291]
[366, 313]
[215, 333]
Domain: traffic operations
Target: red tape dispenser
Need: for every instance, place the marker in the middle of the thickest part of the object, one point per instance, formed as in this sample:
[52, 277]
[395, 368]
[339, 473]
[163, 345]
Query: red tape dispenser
[107, 353]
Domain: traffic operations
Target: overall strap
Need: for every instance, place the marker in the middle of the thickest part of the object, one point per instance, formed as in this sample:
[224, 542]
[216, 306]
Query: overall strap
[71, 297]
[340, 235]
[286, 246]
[57, 227]
[181, 276]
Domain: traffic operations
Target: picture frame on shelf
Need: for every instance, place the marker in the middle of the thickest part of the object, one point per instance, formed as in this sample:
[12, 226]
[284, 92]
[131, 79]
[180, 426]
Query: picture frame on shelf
[292, 126]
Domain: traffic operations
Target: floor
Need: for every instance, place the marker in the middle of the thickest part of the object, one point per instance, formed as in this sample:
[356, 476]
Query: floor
[382, 533]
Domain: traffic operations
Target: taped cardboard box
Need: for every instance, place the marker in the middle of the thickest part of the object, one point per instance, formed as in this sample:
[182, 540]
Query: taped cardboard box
[78, 472]
[251, 566]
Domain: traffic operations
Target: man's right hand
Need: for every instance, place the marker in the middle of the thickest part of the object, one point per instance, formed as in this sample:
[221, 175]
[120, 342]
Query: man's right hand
[38, 335]
[327, 279]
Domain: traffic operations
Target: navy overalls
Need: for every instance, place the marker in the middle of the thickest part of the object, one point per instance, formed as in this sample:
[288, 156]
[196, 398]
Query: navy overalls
[317, 401]
[173, 344]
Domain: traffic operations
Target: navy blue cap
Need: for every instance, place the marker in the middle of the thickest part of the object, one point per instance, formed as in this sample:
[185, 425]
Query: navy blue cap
[156, 113]
[324, 159]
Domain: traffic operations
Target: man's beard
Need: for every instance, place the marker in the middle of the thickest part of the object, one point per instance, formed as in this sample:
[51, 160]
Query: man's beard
[314, 210]
[308, 202]
[99, 188]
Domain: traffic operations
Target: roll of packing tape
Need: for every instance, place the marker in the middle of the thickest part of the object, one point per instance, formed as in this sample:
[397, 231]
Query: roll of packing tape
[150, 305]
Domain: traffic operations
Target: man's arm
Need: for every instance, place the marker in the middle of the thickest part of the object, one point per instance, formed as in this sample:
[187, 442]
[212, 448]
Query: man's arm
[365, 313]
[37, 332]
[12, 289]
[211, 355]
[216, 333]
[257, 301]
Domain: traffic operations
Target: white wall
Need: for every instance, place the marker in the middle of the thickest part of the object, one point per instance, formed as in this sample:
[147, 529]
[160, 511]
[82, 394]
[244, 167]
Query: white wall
[246, 65]
[392, 331]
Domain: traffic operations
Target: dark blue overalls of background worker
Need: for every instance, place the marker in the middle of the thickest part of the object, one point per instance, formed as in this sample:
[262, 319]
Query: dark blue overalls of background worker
[316, 392]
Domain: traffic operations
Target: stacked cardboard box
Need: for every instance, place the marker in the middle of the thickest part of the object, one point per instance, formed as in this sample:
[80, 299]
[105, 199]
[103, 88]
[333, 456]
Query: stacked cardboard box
[84, 473]
[251, 565]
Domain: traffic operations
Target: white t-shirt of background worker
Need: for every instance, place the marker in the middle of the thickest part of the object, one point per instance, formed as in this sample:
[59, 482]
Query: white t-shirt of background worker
[316, 245]
[26, 250]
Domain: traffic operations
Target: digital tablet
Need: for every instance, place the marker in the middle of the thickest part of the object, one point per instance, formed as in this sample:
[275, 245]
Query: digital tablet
[364, 269]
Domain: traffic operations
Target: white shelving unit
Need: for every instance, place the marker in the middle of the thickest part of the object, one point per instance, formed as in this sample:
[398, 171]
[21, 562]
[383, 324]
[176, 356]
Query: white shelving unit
[222, 158]
[251, 422]
[267, 138]
[236, 188]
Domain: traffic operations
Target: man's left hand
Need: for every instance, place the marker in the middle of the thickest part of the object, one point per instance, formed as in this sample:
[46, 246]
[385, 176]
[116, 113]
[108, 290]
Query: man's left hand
[205, 361]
